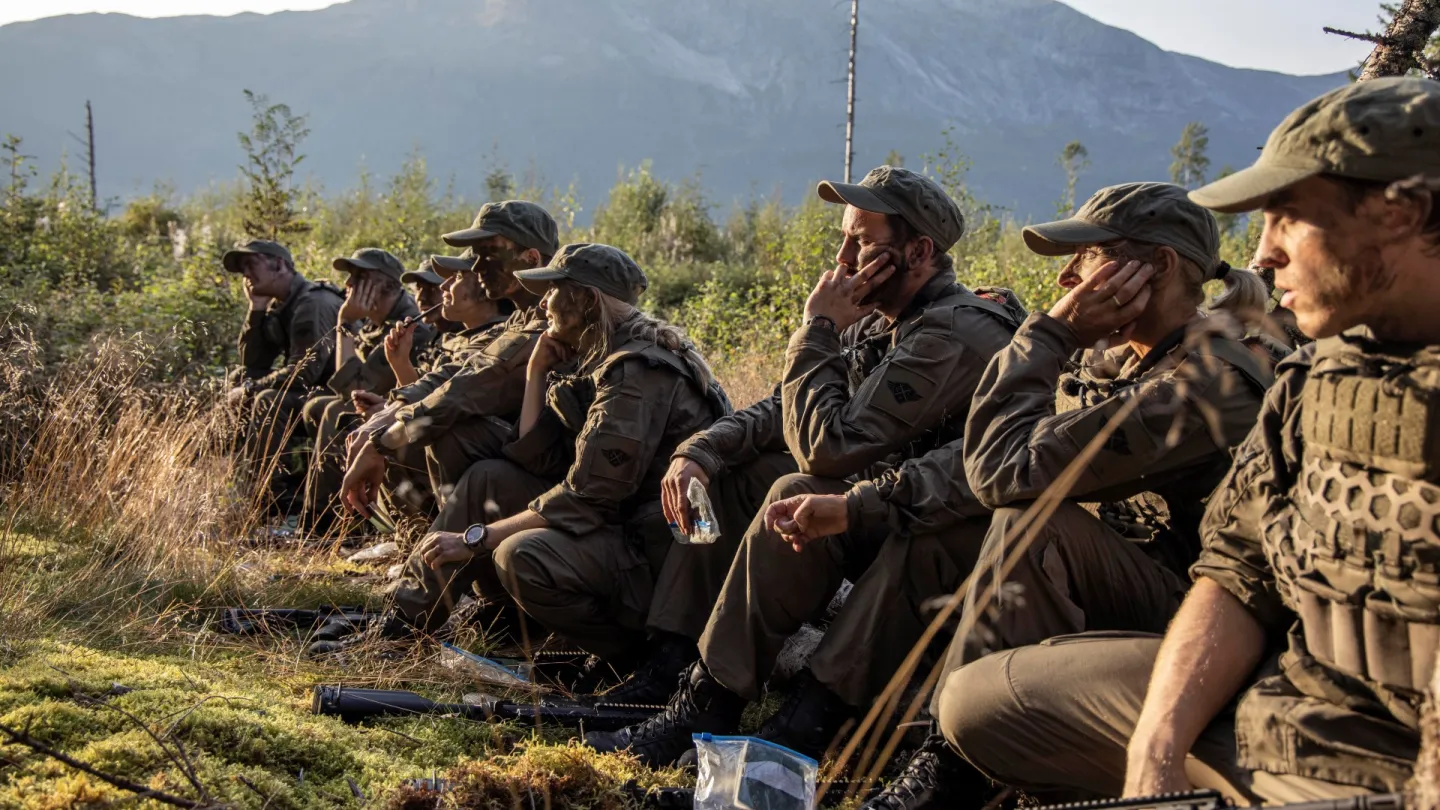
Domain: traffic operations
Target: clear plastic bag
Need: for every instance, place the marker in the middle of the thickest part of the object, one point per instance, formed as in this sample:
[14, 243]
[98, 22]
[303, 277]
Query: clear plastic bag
[704, 529]
[746, 773]
[484, 669]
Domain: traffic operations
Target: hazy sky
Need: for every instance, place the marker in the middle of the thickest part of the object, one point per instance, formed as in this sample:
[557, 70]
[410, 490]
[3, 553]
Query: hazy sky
[1273, 34]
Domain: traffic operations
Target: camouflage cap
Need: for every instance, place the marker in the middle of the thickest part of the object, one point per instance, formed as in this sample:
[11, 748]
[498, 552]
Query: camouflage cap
[447, 266]
[1159, 213]
[254, 247]
[524, 223]
[608, 269]
[1382, 130]
[914, 197]
[373, 260]
[424, 274]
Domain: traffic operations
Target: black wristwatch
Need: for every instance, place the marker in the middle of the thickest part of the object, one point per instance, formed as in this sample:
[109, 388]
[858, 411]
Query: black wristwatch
[825, 321]
[475, 536]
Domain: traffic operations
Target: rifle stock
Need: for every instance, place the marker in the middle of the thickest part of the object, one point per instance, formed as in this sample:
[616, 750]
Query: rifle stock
[354, 705]
[1212, 800]
[242, 621]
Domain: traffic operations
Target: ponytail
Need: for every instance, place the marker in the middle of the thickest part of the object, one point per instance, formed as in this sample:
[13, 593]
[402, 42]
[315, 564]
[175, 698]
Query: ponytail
[1245, 295]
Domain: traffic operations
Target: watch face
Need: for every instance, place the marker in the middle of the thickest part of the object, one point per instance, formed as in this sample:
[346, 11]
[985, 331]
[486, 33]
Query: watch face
[474, 536]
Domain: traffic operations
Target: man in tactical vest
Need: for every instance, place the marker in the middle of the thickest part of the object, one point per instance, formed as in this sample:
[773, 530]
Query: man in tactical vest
[882, 371]
[1315, 600]
[293, 320]
[376, 300]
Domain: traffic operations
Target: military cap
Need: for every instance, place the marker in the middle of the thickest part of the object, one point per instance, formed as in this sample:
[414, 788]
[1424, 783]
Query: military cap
[424, 274]
[608, 269]
[524, 223]
[914, 197]
[447, 266]
[374, 260]
[254, 247]
[1159, 213]
[1382, 130]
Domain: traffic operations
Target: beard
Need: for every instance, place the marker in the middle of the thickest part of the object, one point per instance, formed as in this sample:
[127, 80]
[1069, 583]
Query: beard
[888, 290]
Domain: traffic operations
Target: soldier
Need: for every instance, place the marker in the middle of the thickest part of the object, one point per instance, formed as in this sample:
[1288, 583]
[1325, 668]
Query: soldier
[290, 318]
[883, 370]
[1140, 255]
[430, 296]
[375, 295]
[1314, 599]
[570, 523]
[474, 409]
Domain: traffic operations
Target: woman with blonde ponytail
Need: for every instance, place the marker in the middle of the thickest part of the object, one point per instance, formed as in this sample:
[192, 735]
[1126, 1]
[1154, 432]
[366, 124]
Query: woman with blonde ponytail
[610, 392]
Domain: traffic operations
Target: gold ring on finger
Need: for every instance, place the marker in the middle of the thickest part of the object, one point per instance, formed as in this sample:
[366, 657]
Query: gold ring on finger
[1116, 299]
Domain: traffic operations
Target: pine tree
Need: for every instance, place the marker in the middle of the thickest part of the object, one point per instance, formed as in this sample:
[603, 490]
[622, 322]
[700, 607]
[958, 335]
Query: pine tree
[1190, 163]
[1074, 159]
[271, 157]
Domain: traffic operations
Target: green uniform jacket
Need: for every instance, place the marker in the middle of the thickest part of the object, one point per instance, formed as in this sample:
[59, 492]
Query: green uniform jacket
[1368, 564]
[369, 370]
[491, 383]
[642, 407]
[860, 402]
[301, 329]
[1199, 392]
[459, 348]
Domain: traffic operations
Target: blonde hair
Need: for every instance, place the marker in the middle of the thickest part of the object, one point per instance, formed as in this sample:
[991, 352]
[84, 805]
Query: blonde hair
[603, 336]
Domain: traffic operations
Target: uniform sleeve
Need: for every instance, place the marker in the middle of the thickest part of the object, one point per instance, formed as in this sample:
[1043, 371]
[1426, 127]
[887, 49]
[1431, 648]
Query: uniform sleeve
[1016, 446]
[455, 361]
[623, 432]
[738, 438]
[928, 377]
[548, 450]
[257, 352]
[924, 495]
[311, 354]
[491, 384]
[1232, 551]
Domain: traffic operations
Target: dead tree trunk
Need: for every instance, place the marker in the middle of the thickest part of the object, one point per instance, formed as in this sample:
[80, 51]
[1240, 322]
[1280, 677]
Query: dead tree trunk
[850, 99]
[1401, 48]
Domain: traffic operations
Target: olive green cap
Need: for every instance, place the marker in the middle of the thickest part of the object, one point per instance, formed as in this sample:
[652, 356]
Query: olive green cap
[524, 223]
[1382, 130]
[374, 260]
[425, 274]
[914, 197]
[254, 247]
[1159, 213]
[447, 266]
[608, 269]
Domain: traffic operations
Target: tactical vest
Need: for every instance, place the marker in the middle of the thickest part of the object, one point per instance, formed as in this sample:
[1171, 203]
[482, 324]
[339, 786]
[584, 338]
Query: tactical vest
[571, 397]
[1364, 561]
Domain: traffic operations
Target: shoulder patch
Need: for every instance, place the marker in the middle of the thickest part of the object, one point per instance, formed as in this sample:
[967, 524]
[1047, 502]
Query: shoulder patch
[615, 457]
[903, 394]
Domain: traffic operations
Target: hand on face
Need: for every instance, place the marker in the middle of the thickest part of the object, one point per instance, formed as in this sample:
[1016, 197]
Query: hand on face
[804, 519]
[549, 352]
[674, 492]
[1106, 303]
[399, 342]
[359, 300]
[845, 297]
[258, 303]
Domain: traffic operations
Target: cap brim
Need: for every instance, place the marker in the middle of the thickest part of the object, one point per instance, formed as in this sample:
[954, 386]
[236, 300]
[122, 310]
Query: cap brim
[1061, 238]
[231, 260]
[353, 266]
[1247, 189]
[850, 194]
[450, 265]
[417, 276]
[537, 281]
[467, 237]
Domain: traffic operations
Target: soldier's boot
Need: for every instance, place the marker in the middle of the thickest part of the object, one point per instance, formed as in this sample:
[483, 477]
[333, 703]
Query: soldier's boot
[935, 776]
[701, 705]
[390, 626]
[654, 679]
[809, 720]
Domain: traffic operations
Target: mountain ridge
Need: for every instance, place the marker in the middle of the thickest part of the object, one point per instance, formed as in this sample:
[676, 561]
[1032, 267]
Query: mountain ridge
[749, 92]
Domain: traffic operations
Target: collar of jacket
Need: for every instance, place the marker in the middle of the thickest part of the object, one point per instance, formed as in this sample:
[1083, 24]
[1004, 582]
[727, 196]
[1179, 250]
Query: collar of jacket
[298, 284]
[940, 285]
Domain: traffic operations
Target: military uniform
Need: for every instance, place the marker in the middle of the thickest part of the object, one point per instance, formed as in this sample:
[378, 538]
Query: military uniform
[857, 404]
[300, 331]
[1325, 530]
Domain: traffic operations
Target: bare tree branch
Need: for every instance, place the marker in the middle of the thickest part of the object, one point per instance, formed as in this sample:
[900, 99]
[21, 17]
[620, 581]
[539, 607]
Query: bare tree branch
[1371, 38]
[23, 738]
[1401, 48]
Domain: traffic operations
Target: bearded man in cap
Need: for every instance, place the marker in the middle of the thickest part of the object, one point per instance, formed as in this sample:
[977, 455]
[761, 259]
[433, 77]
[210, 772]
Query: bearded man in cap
[883, 370]
[375, 302]
[469, 416]
[291, 320]
[1294, 669]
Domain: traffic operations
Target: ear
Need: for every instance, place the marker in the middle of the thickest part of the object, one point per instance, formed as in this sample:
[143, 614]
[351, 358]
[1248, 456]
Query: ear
[920, 251]
[1403, 215]
[1167, 262]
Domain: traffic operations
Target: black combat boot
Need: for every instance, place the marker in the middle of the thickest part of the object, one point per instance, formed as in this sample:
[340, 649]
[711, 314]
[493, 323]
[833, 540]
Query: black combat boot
[653, 681]
[809, 719]
[935, 776]
[389, 626]
[701, 705]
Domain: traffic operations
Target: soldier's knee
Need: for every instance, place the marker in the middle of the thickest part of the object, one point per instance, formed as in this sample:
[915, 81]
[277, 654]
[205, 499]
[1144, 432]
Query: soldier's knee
[519, 560]
[792, 484]
[976, 708]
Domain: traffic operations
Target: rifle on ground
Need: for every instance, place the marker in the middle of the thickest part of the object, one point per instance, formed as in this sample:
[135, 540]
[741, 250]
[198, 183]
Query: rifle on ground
[242, 621]
[1212, 800]
[353, 705]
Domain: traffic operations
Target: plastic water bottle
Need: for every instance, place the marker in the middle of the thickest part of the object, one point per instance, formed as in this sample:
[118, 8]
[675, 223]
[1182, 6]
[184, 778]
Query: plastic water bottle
[704, 529]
